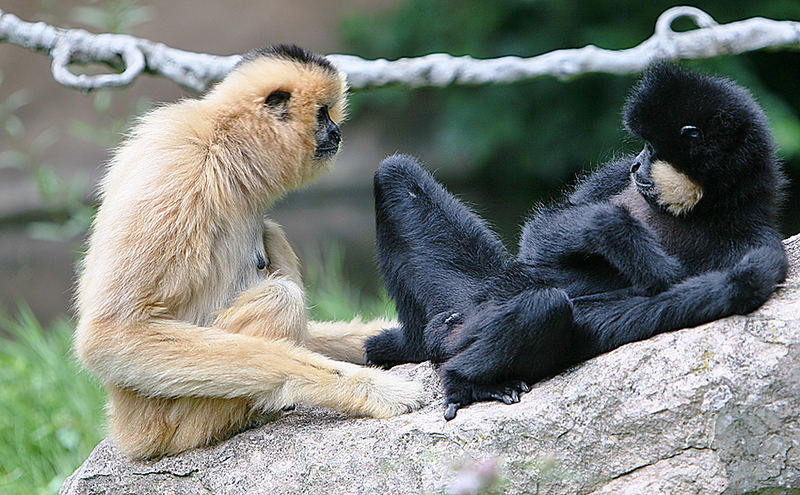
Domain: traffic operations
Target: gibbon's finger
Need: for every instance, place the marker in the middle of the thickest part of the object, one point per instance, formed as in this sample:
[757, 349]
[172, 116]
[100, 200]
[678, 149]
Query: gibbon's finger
[522, 386]
[451, 408]
[505, 398]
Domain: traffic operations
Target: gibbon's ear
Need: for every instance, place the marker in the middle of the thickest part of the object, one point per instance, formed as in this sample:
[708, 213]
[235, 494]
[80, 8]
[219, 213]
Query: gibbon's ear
[277, 98]
[278, 102]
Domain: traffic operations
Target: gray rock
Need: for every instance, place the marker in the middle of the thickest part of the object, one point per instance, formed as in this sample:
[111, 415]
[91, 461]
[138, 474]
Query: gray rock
[708, 410]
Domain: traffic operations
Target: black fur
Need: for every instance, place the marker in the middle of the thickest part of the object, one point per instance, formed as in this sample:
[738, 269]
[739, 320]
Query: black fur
[607, 266]
[290, 52]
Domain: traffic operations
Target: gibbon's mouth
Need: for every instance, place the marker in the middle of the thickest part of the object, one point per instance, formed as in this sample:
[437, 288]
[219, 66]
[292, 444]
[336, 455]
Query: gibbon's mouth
[326, 151]
[642, 185]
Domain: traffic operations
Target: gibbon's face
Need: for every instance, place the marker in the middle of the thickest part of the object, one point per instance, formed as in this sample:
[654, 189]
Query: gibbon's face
[662, 184]
[289, 109]
[692, 126]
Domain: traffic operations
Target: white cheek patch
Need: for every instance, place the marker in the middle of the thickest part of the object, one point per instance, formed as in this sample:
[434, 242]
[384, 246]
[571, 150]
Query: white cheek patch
[676, 191]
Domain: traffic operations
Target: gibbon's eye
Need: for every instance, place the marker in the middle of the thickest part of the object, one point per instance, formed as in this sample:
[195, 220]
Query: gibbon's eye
[260, 262]
[691, 131]
[277, 98]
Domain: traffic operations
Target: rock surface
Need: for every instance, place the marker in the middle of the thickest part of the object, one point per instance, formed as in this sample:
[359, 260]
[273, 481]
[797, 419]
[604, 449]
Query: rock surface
[708, 410]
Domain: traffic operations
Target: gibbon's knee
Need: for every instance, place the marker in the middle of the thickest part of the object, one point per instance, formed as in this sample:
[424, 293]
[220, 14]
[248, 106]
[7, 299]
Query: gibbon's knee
[399, 170]
[276, 308]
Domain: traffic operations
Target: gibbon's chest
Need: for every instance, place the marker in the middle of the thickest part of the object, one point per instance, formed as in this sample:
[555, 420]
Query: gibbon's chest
[238, 262]
[677, 236]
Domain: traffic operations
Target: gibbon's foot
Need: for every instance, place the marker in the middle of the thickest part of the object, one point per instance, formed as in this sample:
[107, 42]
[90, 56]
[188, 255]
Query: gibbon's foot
[467, 393]
[384, 394]
[388, 348]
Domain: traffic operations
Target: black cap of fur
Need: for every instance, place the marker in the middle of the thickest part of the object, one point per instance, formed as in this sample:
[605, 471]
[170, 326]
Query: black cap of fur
[669, 97]
[290, 52]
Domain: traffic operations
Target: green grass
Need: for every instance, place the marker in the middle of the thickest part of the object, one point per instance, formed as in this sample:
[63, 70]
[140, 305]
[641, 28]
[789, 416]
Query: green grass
[330, 295]
[51, 412]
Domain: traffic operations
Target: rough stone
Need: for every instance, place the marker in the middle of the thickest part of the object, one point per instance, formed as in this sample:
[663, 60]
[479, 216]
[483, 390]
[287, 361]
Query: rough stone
[707, 410]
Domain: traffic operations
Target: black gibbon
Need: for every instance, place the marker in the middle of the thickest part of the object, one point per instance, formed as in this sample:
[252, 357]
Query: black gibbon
[679, 235]
[191, 306]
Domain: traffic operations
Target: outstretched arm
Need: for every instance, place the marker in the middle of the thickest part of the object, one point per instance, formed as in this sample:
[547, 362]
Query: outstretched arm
[554, 236]
[607, 321]
[344, 340]
[163, 358]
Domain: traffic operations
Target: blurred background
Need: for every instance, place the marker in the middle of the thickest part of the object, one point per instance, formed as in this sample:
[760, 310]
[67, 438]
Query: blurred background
[502, 148]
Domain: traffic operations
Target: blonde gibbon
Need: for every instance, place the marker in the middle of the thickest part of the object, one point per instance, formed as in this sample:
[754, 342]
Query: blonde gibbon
[191, 307]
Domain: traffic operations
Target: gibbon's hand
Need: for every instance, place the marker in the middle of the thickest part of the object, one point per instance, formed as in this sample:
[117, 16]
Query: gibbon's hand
[754, 278]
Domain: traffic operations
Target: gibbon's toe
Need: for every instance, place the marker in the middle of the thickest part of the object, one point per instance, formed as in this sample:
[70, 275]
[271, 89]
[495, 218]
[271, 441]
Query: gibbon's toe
[390, 395]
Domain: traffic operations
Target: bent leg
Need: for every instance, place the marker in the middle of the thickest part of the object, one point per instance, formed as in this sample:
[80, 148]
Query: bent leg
[433, 252]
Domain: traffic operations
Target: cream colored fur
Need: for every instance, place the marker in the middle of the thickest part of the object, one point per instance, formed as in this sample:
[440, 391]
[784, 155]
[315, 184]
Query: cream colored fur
[191, 340]
[676, 191]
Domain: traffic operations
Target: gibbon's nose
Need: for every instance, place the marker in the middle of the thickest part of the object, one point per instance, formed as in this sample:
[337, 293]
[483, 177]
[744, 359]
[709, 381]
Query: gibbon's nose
[334, 134]
[641, 176]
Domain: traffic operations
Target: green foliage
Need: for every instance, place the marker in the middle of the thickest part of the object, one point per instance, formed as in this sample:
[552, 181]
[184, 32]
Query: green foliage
[331, 295]
[51, 412]
[526, 140]
[114, 16]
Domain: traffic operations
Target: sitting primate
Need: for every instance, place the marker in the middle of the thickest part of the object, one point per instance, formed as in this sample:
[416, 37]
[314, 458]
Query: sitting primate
[679, 235]
[191, 307]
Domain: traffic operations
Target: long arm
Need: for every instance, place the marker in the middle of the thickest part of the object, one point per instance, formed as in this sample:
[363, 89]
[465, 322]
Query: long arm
[554, 237]
[163, 358]
[607, 321]
[344, 340]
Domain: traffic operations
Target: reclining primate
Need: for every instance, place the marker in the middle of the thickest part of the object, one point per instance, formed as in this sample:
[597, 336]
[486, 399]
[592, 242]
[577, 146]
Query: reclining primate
[679, 235]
